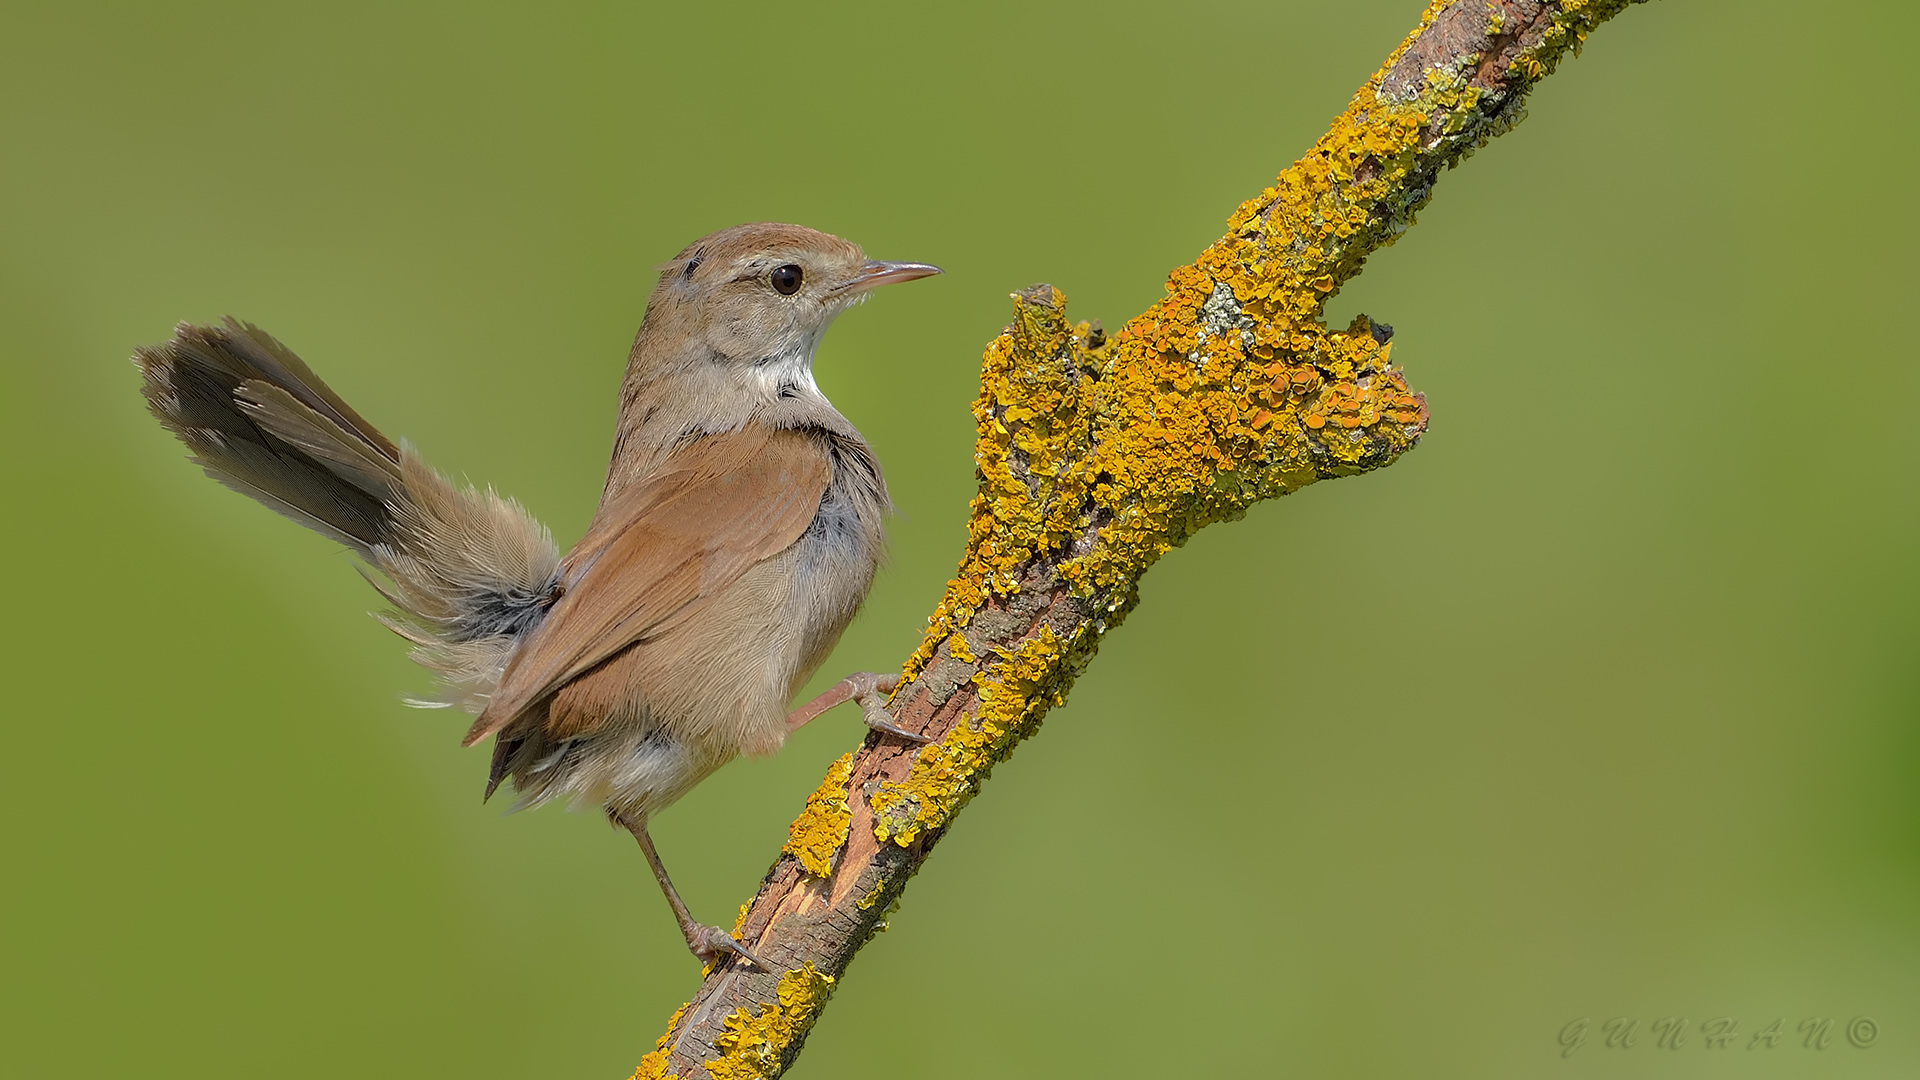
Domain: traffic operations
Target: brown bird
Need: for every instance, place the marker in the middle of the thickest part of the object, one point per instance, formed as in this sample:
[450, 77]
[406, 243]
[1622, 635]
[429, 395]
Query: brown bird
[737, 535]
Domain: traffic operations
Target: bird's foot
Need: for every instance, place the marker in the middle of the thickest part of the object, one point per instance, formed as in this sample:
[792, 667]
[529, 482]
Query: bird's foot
[871, 692]
[709, 944]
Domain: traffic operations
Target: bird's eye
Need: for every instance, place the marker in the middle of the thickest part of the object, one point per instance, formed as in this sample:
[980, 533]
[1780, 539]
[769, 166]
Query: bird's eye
[785, 279]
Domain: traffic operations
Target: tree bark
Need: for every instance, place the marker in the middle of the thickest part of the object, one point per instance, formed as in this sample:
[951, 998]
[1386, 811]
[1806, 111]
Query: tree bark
[1099, 454]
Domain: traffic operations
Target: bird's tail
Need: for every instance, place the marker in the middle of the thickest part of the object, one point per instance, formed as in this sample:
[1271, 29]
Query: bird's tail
[468, 572]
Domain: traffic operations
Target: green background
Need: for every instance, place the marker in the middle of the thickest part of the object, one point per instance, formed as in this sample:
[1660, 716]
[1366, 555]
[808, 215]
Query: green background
[1600, 703]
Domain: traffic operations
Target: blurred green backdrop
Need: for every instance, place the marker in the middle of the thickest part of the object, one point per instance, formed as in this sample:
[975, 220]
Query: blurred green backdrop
[1644, 745]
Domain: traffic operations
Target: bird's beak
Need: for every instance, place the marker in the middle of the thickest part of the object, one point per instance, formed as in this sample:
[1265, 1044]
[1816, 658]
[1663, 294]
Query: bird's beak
[877, 272]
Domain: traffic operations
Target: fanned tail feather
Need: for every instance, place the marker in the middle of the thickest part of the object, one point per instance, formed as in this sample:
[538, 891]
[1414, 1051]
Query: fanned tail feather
[260, 422]
[468, 572]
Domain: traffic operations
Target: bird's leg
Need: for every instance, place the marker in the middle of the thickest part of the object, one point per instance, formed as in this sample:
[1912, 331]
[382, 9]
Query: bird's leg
[870, 691]
[707, 943]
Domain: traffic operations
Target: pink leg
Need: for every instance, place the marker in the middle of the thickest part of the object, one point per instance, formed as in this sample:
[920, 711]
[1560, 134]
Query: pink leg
[870, 691]
[707, 943]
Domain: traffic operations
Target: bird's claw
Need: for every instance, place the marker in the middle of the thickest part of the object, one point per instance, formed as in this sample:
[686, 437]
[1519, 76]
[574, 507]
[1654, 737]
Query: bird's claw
[710, 943]
[872, 697]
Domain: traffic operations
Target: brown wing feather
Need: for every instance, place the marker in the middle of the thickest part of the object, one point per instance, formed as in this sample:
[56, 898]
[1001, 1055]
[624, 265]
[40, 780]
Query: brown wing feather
[662, 547]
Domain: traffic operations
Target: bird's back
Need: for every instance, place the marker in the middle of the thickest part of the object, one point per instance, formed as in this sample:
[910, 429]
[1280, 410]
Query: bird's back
[679, 692]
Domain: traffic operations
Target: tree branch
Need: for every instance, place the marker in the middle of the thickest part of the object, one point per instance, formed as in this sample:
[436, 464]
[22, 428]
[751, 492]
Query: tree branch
[1096, 456]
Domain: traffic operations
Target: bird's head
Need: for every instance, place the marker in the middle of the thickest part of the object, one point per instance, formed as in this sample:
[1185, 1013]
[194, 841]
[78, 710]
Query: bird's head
[756, 299]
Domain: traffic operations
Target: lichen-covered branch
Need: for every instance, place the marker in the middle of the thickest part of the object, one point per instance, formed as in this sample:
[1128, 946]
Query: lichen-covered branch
[1096, 456]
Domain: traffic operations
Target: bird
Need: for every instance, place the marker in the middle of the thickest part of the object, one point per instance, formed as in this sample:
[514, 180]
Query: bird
[738, 532]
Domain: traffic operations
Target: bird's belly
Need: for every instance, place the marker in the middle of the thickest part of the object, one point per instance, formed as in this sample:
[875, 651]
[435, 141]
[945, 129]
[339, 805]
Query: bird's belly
[830, 582]
[712, 685]
[638, 775]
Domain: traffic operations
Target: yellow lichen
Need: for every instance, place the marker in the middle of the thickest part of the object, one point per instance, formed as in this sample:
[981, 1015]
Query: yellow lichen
[654, 1065]
[1227, 391]
[820, 831]
[1025, 682]
[958, 648]
[754, 1046]
[1096, 455]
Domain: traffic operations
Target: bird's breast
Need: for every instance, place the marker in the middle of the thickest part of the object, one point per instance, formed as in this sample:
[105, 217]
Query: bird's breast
[835, 559]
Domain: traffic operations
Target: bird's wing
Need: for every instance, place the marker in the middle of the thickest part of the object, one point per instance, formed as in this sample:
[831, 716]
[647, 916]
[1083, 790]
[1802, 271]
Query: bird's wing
[712, 510]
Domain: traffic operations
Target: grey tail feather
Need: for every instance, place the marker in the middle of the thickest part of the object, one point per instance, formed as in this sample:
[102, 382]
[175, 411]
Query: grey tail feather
[469, 573]
[503, 747]
[258, 420]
